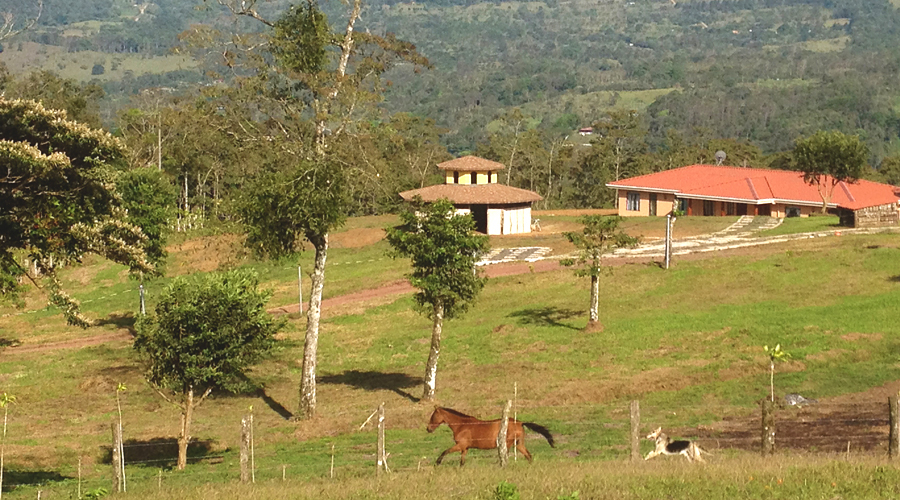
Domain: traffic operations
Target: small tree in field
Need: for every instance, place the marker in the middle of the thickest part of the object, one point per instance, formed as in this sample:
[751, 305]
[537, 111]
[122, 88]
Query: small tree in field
[282, 209]
[207, 331]
[829, 158]
[443, 248]
[601, 235]
[775, 354]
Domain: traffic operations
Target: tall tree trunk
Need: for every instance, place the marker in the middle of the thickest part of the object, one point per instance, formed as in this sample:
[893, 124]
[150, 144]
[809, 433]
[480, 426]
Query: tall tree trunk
[595, 300]
[187, 413]
[431, 366]
[307, 407]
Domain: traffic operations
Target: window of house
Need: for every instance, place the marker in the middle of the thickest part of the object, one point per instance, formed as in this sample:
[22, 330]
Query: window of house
[456, 177]
[489, 176]
[683, 205]
[633, 203]
[709, 207]
[730, 209]
[474, 178]
[792, 212]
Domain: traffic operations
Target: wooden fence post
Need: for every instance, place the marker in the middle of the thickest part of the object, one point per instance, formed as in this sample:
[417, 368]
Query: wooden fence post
[635, 431]
[380, 460]
[768, 427]
[116, 457]
[501, 436]
[245, 450]
[894, 433]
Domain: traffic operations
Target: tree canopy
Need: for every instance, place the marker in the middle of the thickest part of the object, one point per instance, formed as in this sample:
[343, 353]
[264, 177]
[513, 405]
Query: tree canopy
[443, 248]
[58, 200]
[829, 158]
[206, 331]
[600, 236]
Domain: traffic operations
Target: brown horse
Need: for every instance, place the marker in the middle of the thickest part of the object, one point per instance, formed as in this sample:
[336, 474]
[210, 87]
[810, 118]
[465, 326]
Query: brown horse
[469, 432]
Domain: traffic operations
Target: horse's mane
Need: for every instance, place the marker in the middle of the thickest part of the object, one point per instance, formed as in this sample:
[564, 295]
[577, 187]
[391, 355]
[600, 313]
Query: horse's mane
[454, 412]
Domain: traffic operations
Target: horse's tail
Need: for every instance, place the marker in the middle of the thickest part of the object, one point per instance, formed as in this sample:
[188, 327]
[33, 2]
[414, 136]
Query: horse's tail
[543, 431]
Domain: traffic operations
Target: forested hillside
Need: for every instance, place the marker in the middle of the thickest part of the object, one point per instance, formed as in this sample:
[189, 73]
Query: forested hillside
[663, 82]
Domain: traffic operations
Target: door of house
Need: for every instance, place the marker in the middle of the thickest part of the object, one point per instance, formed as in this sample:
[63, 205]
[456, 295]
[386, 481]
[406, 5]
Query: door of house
[765, 210]
[741, 209]
[652, 204]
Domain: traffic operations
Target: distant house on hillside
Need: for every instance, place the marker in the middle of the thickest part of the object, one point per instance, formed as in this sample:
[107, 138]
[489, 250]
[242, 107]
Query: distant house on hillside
[720, 190]
[586, 131]
[471, 184]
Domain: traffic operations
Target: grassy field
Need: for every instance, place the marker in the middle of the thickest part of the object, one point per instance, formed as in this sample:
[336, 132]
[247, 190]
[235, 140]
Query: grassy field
[814, 224]
[30, 56]
[687, 343]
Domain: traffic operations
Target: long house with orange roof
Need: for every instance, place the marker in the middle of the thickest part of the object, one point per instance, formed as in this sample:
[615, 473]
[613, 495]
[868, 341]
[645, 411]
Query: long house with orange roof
[470, 183]
[721, 190]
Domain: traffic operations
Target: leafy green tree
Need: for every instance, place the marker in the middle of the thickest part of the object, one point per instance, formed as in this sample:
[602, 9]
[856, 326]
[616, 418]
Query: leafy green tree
[207, 330]
[281, 209]
[58, 200]
[443, 248]
[600, 236]
[322, 83]
[150, 200]
[620, 141]
[889, 171]
[81, 102]
[829, 158]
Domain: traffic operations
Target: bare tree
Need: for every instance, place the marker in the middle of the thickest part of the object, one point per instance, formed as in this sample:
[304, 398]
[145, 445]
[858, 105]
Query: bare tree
[11, 22]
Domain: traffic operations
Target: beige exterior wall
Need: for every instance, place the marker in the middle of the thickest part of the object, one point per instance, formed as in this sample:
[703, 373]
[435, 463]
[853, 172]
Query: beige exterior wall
[664, 204]
[780, 210]
[466, 177]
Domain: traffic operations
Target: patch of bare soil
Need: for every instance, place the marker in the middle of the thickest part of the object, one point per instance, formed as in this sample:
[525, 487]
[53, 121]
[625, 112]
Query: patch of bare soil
[575, 212]
[204, 254]
[121, 335]
[859, 421]
[356, 238]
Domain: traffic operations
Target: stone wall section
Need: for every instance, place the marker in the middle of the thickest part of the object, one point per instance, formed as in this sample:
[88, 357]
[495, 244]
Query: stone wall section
[878, 216]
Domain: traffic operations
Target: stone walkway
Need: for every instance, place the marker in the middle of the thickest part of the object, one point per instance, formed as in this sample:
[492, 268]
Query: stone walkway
[743, 233]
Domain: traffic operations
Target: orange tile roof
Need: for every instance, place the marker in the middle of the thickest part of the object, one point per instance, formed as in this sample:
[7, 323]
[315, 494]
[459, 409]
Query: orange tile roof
[757, 186]
[473, 194]
[471, 164]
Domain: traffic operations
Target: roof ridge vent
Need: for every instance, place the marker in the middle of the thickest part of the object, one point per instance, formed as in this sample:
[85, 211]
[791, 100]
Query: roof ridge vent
[752, 188]
[847, 191]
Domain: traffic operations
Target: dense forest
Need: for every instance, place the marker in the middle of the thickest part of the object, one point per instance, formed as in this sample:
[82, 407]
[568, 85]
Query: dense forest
[663, 83]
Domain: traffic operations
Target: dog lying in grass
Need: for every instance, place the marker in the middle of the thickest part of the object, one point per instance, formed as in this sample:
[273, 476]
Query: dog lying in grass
[665, 446]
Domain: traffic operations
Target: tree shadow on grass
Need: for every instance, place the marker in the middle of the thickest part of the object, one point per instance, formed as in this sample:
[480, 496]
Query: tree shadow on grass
[159, 453]
[894, 279]
[13, 478]
[547, 316]
[274, 405]
[125, 321]
[375, 381]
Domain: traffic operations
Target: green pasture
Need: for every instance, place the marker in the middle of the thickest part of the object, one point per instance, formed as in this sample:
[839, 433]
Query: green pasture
[812, 224]
[25, 57]
[686, 342]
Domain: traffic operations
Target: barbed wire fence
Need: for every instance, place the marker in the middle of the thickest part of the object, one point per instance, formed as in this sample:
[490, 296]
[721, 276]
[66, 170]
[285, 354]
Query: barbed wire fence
[394, 441]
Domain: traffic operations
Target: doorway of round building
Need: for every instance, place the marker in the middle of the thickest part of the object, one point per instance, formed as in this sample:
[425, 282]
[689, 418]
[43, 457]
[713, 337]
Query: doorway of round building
[479, 213]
